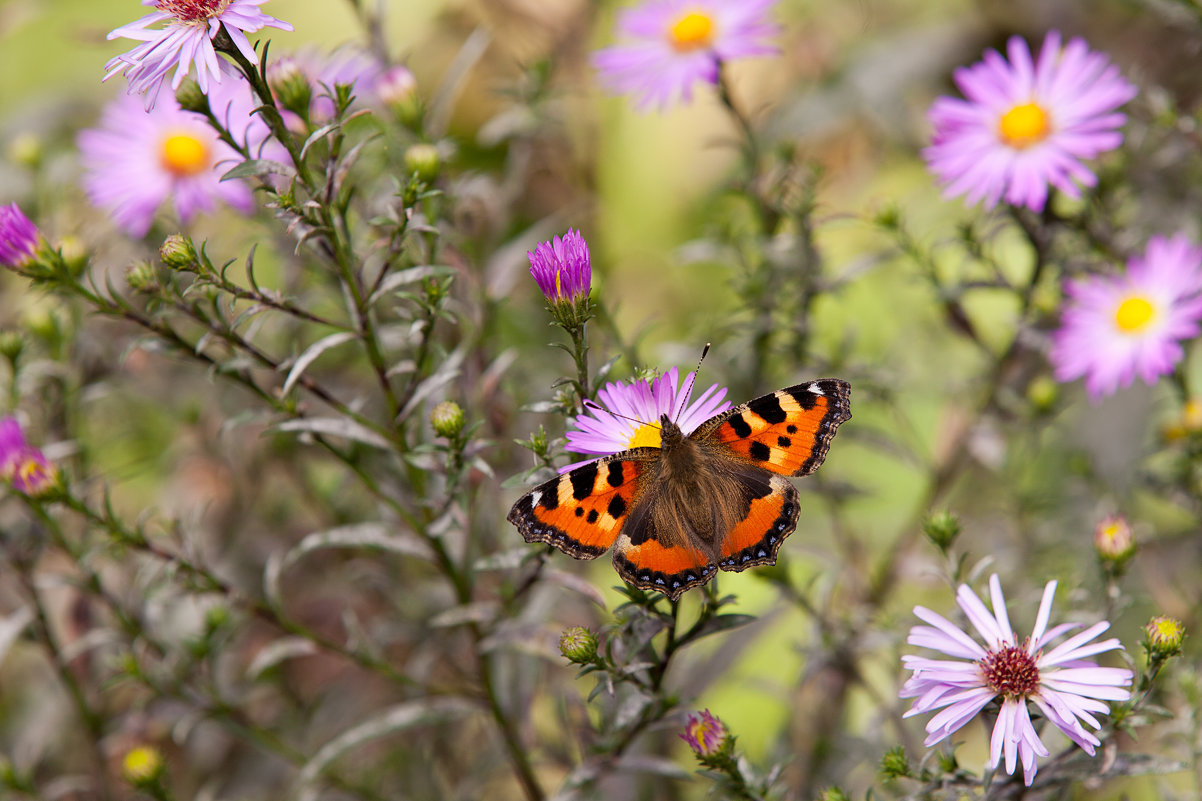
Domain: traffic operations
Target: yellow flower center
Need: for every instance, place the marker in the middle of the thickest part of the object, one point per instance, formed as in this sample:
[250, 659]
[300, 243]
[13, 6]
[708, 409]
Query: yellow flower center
[184, 154]
[1167, 628]
[141, 764]
[693, 31]
[1025, 125]
[1134, 314]
[32, 476]
[647, 436]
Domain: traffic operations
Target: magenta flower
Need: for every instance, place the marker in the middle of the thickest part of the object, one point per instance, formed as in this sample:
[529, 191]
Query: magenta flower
[137, 159]
[1062, 684]
[1026, 126]
[1114, 328]
[18, 237]
[562, 268]
[643, 401]
[25, 467]
[186, 41]
[670, 45]
[706, 735]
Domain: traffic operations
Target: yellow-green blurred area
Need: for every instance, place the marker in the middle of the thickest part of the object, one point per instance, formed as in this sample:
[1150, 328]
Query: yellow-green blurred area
[847, 94]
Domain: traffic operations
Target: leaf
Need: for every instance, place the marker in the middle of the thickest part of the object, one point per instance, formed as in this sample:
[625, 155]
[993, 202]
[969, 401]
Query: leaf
[360, 535]
[310, 355]
[395, 719]
[335, 427]
[11, 628]
[409, 276]
[653, 765]
[445, 374]
[576, 584]
[274, 653]
[476, 612]
[257, 168]
[504, 560]
[722, 623]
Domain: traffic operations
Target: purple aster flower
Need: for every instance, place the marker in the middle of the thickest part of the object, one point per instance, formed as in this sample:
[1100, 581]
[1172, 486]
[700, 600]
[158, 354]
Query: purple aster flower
[18, 237]
[562, 267]
[1063, 685]
[706, 734]
[601, 432]
[186, 41]
[1026, 125]
[137, 159]
[1117, 327]
[26, 467]
[671, 44]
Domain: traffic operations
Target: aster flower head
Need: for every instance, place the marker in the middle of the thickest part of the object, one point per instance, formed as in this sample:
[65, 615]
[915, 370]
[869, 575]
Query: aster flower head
[1118, 327]
[598, 431]
[137, 159]
[21, 464]
[1025, 125]
[706, 735]
[1114, 543]
[18, 237]
[669, 45]
[1060, 682]
[185, 40]
[562, 268]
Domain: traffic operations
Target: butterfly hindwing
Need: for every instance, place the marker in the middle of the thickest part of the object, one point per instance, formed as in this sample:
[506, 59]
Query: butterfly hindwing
[582, 511]
[772, 510]
[646, 559]
[786, 432]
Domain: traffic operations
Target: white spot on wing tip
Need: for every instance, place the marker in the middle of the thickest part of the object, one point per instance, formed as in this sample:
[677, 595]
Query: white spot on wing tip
[535, 497]
[813, 387]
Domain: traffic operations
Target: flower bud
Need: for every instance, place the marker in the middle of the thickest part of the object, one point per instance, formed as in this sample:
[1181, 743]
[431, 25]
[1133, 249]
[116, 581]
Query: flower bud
[18, 238]
[26, 150]
[578, 644]
[177, 252]
[290, 85]
[707, 736]
[1187, 423]
[1042, 394]
[1163, 638]
[833, 794]
[563, 270]
[74, 252]
[942, 528]
[142, 765]
[894, 764]
[11, 345]
[191, 98]
[424, 161]
[1114, 542]
[447, 419]
[397, 89]
[141, 277]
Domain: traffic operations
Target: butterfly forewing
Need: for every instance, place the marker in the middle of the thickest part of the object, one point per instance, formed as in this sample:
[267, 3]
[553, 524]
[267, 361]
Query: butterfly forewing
[786, 432]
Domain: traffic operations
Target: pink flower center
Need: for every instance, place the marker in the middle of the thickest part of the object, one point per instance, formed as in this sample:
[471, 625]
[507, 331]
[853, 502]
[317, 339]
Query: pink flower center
[194, 10]
[1134, 314]
[693, 31]
[184, 154]
[1025, 125]
[1010, 671]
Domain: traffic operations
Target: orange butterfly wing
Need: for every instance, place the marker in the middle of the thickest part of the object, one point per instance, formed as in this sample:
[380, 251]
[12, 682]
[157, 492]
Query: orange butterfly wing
[581, 512]
[788, 431]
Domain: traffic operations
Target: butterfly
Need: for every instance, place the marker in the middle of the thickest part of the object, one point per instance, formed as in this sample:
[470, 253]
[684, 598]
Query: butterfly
[714, 499]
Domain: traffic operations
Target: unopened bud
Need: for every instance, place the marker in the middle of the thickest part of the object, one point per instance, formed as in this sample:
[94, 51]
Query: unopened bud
[1114, 542]
[290, 85]
[447, 419]
[26, 150]
[142, 765]
[141, 277]
[191, 98]
[1163, 638]
[707, 736]
[424, 161]
[942, 528]
[1042, 394]
[578, 644]
[177, 252]
[11, 345]
[894, 764]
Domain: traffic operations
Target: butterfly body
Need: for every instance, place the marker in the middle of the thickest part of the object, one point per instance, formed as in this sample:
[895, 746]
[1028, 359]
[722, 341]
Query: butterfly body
[714, 499]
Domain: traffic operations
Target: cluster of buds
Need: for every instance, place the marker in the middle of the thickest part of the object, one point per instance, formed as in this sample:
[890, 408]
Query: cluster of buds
[564, 273]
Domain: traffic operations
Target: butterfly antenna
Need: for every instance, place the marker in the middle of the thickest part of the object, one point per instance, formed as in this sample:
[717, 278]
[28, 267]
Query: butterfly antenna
[589, 404]
[684, 396]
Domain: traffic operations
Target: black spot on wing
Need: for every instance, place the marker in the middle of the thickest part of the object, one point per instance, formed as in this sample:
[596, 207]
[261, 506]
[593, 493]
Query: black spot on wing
[583, 480]
[759, 451]
[617, 507]
[580, 511]
[614, 475]
[804, 397]
[784, 442]
[740, 425]
[769, 408]
[592, 516]
[792, 429]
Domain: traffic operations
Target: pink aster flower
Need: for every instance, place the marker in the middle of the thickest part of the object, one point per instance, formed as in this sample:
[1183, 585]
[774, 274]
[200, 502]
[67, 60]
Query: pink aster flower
[643, 401]
[1117, 327]
[21, 464]
[18, 237]
[137, 159]
[562, 268]
[670, 45]
[1060, 682]
[186, 40]
[1026, 125]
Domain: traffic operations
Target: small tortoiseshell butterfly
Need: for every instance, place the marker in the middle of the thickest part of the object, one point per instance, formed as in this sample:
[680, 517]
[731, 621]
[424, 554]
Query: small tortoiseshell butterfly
[713, 499]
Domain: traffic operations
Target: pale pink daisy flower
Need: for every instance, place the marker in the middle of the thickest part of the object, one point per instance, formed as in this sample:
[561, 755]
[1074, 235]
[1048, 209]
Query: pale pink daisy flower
[1025, 125]
[1060, 682]
[137, 159]
[186, 40]
[669, 45]
[643, 402]
[1115, 328]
